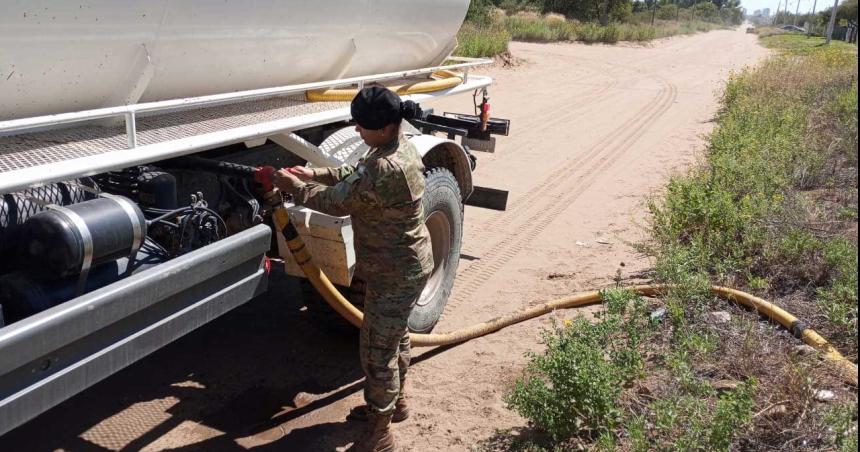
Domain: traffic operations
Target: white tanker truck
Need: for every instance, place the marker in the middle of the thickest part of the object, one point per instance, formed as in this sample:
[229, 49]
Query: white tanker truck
[130, 133]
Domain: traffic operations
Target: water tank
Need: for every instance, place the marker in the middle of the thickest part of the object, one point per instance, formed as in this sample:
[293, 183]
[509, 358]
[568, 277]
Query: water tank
[61, 55]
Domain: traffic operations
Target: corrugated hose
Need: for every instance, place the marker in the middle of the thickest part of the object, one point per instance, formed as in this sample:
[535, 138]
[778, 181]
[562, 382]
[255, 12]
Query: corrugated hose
[354, 316]
[442, 80]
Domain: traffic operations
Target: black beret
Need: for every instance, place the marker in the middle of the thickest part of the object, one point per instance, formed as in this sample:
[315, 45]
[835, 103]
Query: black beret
[375, 107]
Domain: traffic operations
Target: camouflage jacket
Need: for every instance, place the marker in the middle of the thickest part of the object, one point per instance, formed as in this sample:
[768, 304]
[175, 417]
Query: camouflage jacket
[383, 195]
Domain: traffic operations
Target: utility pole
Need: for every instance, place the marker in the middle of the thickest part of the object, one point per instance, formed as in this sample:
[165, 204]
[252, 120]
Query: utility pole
[796, 13]
[773, 22]
[832, 24]
[812, 20]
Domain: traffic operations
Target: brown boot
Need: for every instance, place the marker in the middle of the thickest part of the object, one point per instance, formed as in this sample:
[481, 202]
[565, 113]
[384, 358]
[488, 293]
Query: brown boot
[401, 411]
[377, 437]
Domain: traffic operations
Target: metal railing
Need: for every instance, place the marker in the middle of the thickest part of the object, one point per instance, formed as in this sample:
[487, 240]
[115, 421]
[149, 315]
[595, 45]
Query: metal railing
[130, 112]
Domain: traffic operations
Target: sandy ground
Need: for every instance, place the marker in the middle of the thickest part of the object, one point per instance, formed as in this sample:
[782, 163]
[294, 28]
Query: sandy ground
[596, 130]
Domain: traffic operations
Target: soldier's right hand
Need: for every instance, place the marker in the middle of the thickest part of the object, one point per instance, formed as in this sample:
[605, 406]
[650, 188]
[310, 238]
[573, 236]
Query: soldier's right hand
[301, 172]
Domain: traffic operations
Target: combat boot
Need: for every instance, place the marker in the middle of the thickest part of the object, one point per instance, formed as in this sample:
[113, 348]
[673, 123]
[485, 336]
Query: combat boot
[401, 411]
[377, 437]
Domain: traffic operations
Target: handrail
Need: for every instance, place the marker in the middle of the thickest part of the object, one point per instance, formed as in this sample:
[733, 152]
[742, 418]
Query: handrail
[130, 112]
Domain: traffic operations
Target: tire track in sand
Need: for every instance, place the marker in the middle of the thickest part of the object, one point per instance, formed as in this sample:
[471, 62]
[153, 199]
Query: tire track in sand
[589, 169]
[570, 167]
[549, 117]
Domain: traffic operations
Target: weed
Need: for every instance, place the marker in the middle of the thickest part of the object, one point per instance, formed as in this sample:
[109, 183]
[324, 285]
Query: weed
[572, 389]
[686, 422]
[526, 28]
[796, 43]
[747, 217]
[774, 210]
[478, 42]
[838, 301]
[841, 423]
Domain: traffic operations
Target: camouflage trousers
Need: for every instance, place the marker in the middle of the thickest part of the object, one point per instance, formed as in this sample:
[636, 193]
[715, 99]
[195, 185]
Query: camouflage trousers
[384, 344]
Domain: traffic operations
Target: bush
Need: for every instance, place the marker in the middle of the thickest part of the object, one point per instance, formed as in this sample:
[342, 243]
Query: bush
[838, 300]
[841, 423]
[668, 12]
[706, 11]
[479, 12]
[536, 29]
[572, 389]
[686, 422]
[479, 42]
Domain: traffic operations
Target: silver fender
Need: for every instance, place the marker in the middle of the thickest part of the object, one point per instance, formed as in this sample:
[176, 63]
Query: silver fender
[346, 147]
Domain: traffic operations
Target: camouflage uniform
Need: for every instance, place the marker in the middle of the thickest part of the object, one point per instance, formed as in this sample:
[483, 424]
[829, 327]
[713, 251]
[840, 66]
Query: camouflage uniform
[392, 246]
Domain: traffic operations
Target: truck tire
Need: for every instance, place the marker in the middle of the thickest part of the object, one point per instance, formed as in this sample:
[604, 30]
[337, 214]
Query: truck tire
[443, 215]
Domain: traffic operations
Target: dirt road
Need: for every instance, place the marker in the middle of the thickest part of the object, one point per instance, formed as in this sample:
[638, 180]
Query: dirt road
[596, 129]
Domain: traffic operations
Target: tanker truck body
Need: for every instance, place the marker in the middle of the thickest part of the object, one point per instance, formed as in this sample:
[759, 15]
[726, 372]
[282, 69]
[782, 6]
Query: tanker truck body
[133, 207]
[63, 56]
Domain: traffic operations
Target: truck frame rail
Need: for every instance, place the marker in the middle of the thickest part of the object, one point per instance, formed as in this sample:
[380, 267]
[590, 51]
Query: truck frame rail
[55, 354]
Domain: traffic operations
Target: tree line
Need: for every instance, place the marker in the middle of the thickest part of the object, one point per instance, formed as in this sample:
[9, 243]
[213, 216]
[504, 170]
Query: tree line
[605, 11]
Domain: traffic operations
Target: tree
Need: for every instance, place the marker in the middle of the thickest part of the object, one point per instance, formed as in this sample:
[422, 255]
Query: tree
[706, 11]
[667, 12]
[847, 10]
[590, 10]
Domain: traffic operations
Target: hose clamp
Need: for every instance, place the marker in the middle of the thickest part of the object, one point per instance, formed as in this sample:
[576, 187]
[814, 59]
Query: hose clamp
[86, 238]
[136, 228]
[797, 328]
[130, 210]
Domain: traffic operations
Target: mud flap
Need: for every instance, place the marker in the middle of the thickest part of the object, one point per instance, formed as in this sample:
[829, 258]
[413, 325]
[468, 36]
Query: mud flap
[488, 198]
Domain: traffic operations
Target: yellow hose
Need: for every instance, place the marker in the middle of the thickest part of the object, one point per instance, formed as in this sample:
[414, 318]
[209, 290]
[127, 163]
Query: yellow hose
[443, 80]
[354, 316]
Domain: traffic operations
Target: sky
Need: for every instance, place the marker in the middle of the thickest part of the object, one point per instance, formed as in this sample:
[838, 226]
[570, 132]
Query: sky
[805, 5]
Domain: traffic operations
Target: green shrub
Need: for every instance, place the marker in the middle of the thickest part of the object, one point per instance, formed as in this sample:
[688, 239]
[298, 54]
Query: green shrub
[593, 32]
[685, 422]
[668, 12]
[781, 163]
[537, 29]
[844, 111]
[759, 155]
[479, 12]
[838, 301]
[572, 389]
[477, 42]
[706, 11]
[841, 422]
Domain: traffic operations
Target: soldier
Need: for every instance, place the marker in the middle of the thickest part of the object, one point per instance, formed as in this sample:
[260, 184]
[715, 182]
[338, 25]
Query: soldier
[383, 195]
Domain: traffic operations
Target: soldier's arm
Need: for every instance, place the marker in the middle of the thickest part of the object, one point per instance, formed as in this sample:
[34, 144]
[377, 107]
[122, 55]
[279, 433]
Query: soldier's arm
[351, 195]
[331, 175]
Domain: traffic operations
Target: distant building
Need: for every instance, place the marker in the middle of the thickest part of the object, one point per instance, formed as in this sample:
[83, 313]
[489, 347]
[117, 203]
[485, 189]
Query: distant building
[765, 12]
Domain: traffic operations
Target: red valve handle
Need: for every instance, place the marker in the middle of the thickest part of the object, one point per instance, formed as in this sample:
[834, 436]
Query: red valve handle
[263, 176]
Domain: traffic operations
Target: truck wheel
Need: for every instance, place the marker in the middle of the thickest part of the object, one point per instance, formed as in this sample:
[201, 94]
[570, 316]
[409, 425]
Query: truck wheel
[443, 215]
